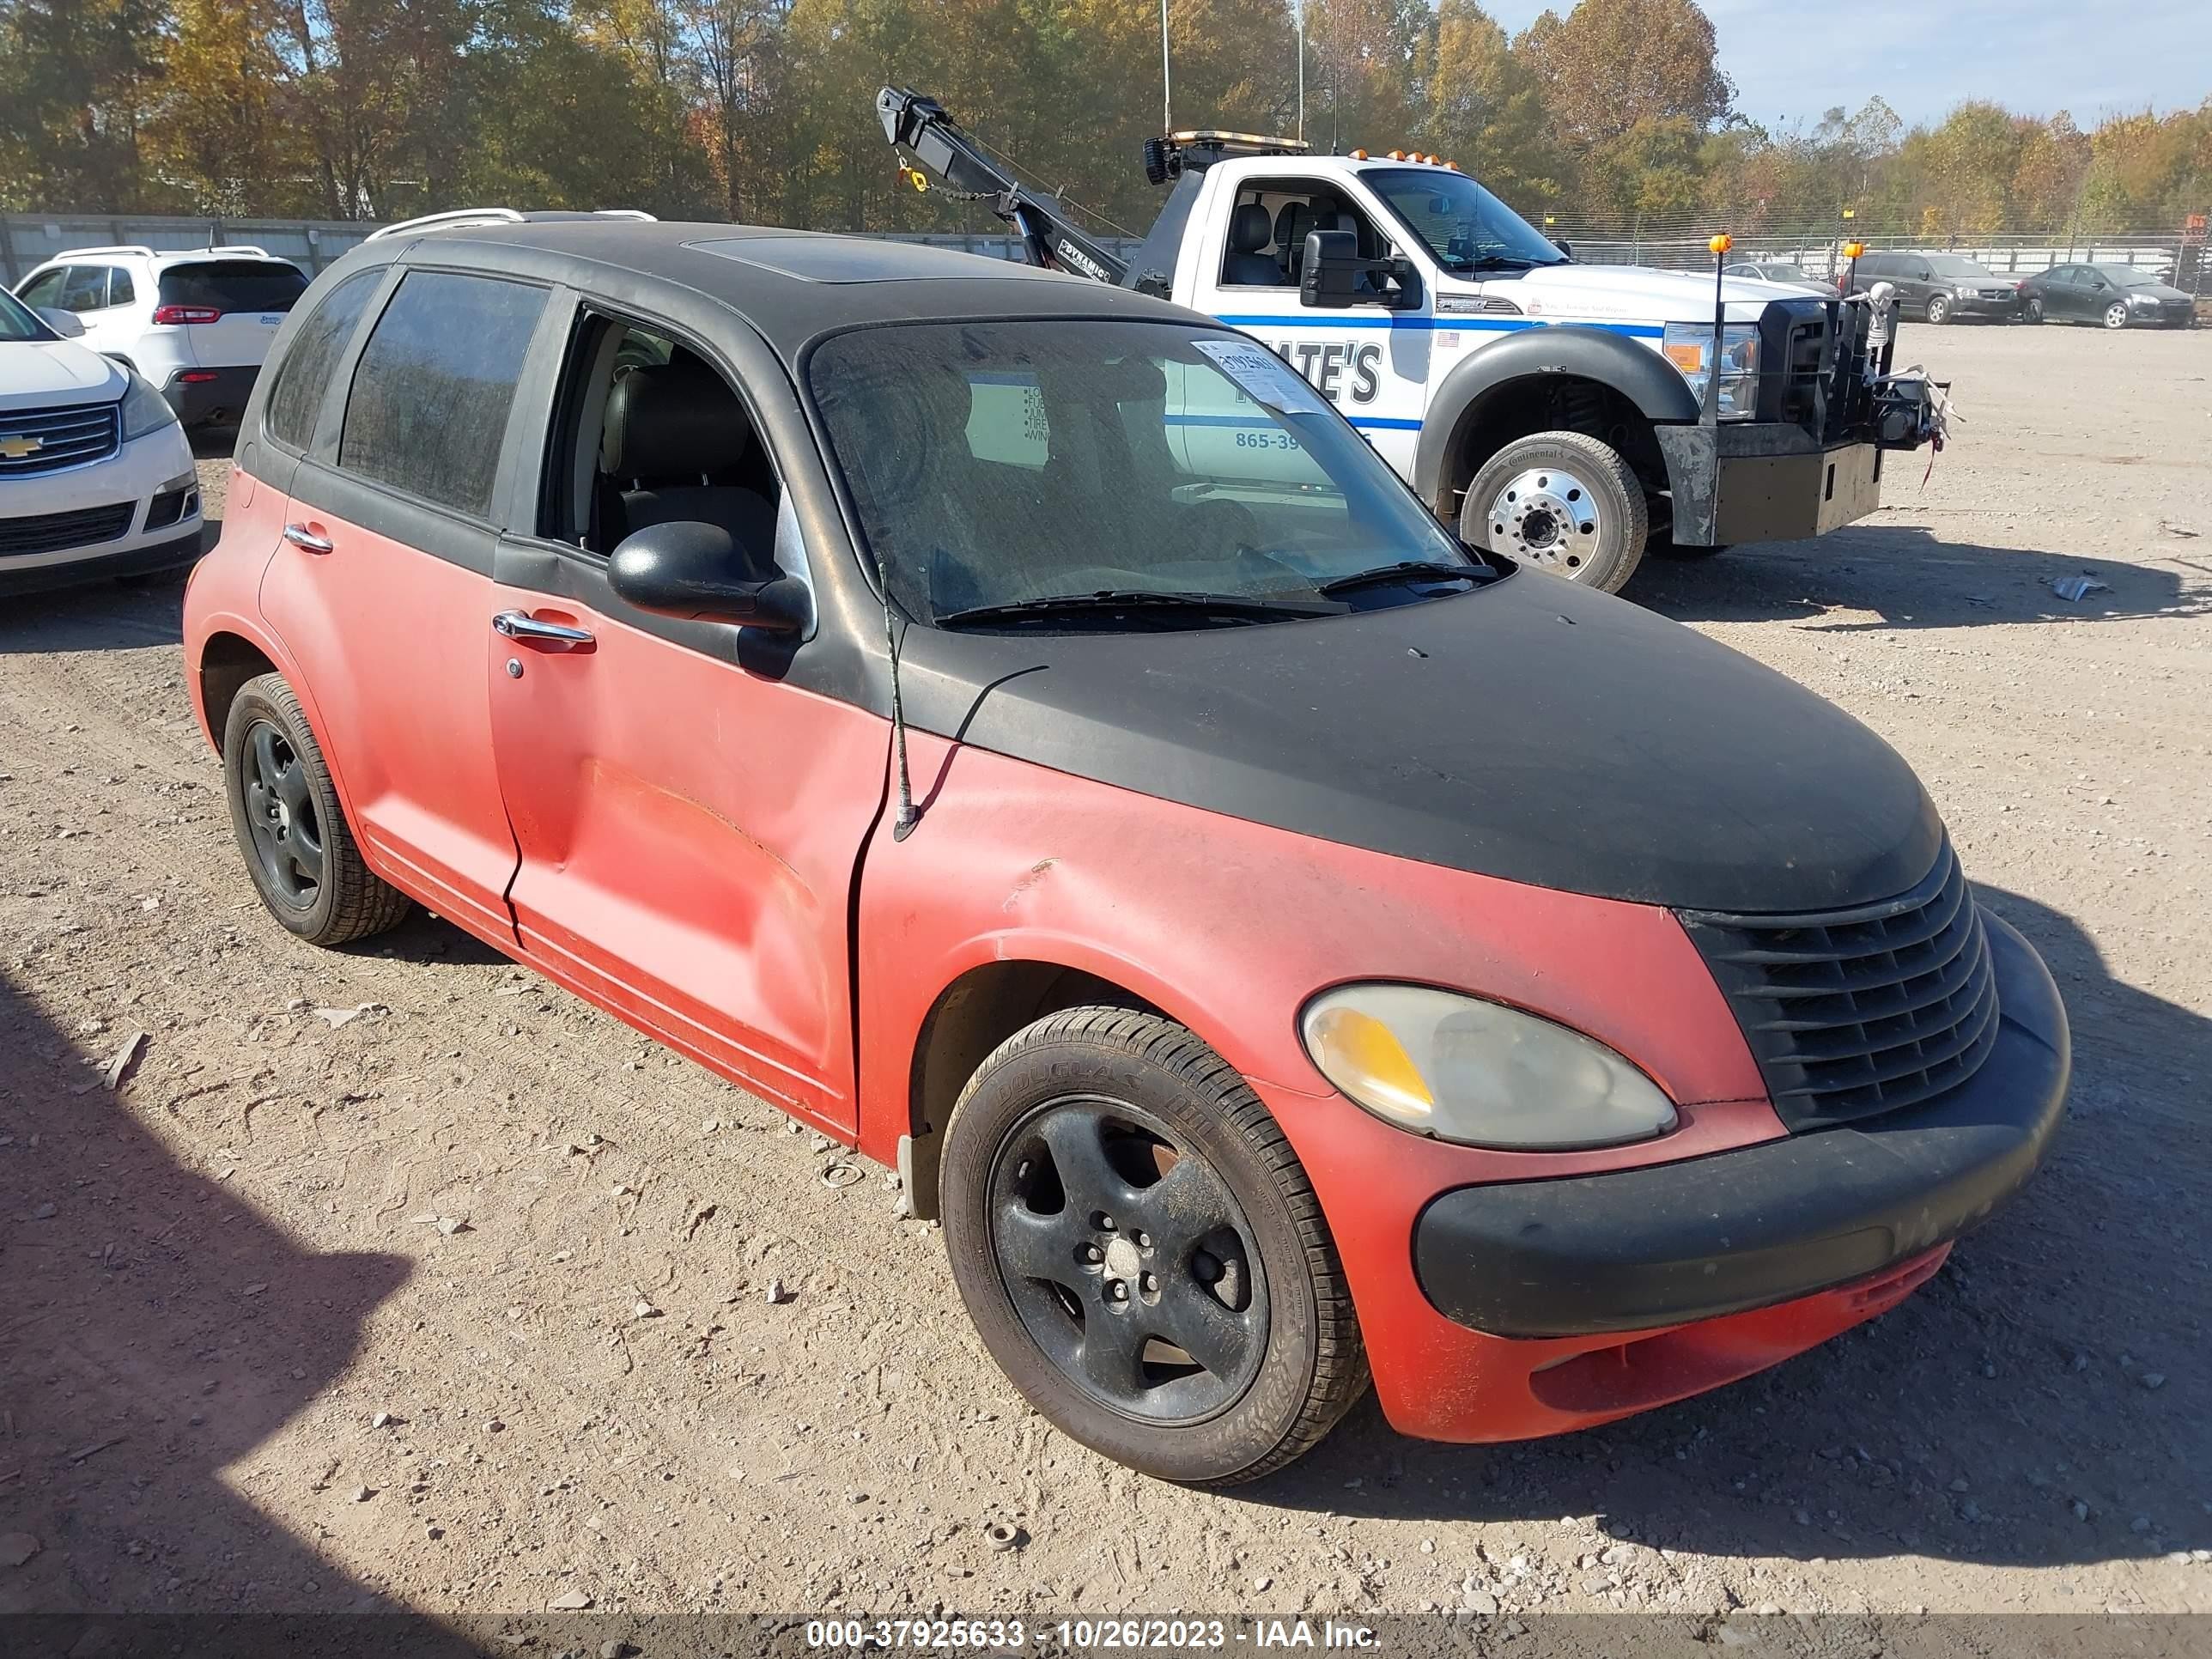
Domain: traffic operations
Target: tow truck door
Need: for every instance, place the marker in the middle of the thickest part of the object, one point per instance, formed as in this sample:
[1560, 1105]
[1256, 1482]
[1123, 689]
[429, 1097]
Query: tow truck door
[1370, 361]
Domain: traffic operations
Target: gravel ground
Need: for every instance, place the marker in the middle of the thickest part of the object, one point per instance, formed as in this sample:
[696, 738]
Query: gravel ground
[393, 1278]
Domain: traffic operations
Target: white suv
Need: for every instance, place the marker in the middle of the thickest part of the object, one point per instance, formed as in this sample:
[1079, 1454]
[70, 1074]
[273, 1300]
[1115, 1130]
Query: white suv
[96, 479]
[197, 324]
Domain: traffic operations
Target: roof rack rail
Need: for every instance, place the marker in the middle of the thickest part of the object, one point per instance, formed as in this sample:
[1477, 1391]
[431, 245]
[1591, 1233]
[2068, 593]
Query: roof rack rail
[234, 247]
[120, 247]
[458, 218]
[451, 218]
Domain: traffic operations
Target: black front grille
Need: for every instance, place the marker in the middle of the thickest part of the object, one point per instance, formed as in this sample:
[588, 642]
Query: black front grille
[1854, 1012]
[50, 532]
[47, 439]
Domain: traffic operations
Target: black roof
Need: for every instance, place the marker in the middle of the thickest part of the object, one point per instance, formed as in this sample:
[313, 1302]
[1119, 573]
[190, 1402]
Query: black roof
[791, 285]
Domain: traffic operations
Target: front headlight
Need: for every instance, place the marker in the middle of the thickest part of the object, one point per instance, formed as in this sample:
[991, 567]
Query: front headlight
[144, 409]
[1478, 1073]
[1966, 290]
[1686, 345]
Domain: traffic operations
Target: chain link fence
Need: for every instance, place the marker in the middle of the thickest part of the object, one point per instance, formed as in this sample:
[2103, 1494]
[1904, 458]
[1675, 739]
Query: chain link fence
[2176, 256]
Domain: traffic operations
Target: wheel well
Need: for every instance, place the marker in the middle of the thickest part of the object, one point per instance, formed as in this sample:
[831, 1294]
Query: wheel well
[1548, 403]
[226, 662]
[970, 1018]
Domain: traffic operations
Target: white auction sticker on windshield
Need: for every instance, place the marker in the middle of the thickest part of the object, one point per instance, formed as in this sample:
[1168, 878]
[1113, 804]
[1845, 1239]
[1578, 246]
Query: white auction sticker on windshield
[1262, 376]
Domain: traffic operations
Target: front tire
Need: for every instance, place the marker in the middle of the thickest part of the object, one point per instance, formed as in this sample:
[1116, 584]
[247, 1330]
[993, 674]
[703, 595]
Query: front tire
[1939, 309]
[2116, 315]
[1142, 1253]
[1564, 502]
[297, 847]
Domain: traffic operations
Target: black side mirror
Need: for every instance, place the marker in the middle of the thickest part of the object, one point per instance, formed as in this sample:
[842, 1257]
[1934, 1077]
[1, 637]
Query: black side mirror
[695, 570]
[1334, 277]
[1561, 243]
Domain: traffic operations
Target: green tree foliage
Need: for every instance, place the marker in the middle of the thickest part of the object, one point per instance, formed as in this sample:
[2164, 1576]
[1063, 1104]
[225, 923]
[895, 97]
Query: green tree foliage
[1612, 115]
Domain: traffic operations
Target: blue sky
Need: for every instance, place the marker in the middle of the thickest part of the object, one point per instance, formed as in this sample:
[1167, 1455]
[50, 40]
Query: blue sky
[1796, 57]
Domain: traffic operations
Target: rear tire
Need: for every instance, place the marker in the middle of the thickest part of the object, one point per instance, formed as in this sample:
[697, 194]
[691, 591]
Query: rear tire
[297, 847]
[1200, 1332]
[1563, 501]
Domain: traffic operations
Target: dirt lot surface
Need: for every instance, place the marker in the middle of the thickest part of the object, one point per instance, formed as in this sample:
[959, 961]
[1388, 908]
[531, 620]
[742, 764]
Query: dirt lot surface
[393, 1277]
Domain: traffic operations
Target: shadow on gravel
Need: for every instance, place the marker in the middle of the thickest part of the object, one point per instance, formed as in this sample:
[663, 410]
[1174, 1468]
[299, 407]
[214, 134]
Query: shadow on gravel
[431, 940]
[1909, 578]
[2005, 1415]
[155, 1330]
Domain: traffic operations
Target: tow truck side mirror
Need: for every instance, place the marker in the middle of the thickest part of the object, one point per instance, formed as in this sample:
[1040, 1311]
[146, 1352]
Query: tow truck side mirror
[1335, 277]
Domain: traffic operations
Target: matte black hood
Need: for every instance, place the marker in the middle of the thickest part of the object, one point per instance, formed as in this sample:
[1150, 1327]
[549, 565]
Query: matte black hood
[1530, 730]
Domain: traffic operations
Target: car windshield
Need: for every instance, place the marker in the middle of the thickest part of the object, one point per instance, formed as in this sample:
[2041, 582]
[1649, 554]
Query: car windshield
[1786, 274]
[1465, 226]
[17, 322]
[233, 285]
[2126, 277]
[1002, 463]
[1944, 264]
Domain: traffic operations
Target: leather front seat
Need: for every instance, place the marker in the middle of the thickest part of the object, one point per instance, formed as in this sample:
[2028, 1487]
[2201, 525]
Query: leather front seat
[1249, 231]
[669, 431]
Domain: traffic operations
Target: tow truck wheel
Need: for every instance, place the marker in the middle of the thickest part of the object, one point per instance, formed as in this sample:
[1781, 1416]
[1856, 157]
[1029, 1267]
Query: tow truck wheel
[1564, 502]
[1939, 309]
[1142, 1253]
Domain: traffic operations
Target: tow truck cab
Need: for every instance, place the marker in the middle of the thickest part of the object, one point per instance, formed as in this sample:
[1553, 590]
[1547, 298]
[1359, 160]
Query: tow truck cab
[1561, 413]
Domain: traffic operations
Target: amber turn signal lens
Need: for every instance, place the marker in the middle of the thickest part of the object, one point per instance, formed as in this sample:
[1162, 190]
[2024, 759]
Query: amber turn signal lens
[1721, 243]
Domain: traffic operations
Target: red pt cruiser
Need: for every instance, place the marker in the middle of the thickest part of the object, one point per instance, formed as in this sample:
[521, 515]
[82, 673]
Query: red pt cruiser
[1275, 941]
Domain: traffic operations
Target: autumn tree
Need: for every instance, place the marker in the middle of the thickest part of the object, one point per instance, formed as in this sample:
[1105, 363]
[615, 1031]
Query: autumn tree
[1483, 104]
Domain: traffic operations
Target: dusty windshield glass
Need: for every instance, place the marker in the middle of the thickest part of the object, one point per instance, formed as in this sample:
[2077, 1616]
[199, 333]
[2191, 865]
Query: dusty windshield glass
[1465, 226]
[999, 464]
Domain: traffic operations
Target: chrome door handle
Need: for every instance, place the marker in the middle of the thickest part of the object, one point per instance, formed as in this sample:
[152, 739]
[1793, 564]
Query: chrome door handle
[299, 536]
[521, 625]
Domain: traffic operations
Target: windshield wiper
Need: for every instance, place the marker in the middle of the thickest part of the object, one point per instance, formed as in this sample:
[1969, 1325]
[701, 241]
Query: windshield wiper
[1406, 570]
[1141, 598]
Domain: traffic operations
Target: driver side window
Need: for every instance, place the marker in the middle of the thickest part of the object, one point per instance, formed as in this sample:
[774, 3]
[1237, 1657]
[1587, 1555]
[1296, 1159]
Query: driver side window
[1286, 209]
[651, 433]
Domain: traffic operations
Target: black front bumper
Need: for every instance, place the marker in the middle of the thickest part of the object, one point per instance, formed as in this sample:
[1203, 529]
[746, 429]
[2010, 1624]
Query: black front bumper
[197, 402]
[1674, 1242]
[172, 555]
[1764, 481]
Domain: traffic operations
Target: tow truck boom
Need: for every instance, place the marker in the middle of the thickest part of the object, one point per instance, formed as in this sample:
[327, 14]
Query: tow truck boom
[919, 127]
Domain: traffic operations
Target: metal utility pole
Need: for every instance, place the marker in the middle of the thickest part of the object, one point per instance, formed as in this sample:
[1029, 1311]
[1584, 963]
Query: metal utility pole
[1167, 90]
[1299, 14]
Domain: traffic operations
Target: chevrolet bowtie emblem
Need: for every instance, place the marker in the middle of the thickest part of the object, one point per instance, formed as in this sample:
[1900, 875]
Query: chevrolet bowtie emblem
[16, 449]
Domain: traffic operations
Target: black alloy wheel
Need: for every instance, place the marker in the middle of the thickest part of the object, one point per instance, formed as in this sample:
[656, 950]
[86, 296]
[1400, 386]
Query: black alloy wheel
[1142, 1253]
[279, 815]
[290, 829]
[1129, 1260]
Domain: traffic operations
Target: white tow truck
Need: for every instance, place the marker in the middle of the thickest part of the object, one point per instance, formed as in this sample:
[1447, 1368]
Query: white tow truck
[1565, 413]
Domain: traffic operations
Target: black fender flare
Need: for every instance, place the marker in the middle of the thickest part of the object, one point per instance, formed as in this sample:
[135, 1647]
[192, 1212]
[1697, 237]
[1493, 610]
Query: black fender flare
[1640, 374]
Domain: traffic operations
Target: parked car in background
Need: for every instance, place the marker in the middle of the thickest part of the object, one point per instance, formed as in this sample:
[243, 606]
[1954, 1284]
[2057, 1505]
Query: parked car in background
[2118, 297]
[1780, 270]
[197, 324]
[95, 476]
[1939, 286]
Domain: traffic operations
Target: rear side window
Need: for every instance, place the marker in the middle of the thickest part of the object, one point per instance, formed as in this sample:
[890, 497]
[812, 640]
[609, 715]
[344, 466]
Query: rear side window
[120, 290]
[233, 285]
[315, 350]
[85, 289]
[430, 398]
